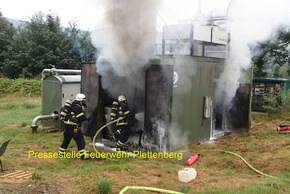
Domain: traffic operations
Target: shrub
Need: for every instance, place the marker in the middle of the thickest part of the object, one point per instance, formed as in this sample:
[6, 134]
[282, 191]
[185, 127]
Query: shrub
[277, 104]
[22, 87]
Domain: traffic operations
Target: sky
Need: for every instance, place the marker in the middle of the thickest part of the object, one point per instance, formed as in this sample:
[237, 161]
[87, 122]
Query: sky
[250, 21]
[87, 12]
[68, 10]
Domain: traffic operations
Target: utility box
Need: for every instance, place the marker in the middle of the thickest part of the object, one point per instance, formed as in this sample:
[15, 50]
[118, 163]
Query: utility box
[58, 86]
[177, 102]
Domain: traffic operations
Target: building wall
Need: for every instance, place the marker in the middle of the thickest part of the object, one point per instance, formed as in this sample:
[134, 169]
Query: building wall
[175, 93]
[195, 83]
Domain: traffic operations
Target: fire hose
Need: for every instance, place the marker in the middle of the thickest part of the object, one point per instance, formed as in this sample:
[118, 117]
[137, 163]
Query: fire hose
[252, 168]
[99, 130]
[173, 192]
[131, 187]
[148, 189]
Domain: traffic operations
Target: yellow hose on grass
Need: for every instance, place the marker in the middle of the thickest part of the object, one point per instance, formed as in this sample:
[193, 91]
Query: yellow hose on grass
[148, 189]
[251, 167]
[132, 187]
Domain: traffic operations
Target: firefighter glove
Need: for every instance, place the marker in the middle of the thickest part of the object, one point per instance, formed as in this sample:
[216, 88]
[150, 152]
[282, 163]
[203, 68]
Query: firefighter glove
[73, 119]
[122, 116]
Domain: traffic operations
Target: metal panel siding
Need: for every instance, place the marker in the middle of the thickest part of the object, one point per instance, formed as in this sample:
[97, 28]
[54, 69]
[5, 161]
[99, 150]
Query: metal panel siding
[203, 87]
[55, 91]
[51, 92]
[69, 91]
[188, 100]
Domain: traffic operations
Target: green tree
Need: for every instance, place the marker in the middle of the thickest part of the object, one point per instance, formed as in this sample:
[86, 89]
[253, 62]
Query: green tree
[83, 48]
[7, 31]
[38, 43]
[273, 55]
[283, 71]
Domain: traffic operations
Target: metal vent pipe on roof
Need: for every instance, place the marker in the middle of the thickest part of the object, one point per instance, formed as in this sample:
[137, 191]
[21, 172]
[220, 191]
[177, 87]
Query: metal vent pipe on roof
[57, 71]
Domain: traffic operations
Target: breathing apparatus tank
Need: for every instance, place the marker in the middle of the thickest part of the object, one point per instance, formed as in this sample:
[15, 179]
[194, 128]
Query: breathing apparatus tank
[65, 109]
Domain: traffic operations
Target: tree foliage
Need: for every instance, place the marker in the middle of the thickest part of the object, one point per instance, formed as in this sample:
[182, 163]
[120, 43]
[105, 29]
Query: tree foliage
[273, 58]
[7, 31]
[41, 42]
[82, 44]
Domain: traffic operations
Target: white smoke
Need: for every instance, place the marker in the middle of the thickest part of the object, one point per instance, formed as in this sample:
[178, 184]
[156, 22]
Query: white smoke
[178, 138]
[250, 21]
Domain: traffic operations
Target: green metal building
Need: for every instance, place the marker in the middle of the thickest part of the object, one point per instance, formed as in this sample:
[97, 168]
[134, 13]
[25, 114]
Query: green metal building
[177, 101]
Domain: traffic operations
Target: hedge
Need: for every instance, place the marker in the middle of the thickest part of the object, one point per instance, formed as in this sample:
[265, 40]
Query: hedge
[23, 87]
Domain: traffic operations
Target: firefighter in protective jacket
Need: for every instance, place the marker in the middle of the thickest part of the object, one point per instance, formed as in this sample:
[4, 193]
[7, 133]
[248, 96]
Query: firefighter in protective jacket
[121, 110]
[72, 124]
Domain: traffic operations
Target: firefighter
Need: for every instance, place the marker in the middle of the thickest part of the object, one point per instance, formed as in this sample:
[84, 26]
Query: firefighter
[72, 123]
[120, 109]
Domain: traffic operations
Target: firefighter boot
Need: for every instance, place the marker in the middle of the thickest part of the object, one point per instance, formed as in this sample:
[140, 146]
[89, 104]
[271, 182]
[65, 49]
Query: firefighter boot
[119, 146]
[84, 155]
[61, 152]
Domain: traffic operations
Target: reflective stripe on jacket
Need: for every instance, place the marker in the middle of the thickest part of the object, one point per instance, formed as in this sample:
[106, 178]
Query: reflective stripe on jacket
[124, 114]
[76, 115]
[114, 110]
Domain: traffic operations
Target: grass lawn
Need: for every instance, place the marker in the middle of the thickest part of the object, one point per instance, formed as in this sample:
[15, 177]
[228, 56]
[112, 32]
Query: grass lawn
[217, 172]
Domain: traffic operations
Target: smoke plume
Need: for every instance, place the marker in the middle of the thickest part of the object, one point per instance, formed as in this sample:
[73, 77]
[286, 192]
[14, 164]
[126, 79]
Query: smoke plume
[126, 36]
[249, 22]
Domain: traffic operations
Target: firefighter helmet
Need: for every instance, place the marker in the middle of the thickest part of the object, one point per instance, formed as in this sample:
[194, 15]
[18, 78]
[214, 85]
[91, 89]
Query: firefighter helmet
[122, 98]
[80, 97]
